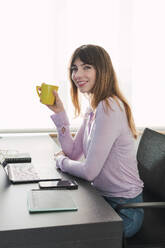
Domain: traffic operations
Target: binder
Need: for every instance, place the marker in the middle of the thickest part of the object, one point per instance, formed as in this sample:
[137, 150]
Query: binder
[17, 158]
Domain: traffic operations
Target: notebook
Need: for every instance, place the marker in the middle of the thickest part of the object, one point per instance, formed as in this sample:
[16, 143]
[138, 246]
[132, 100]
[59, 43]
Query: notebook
[50, 200]
[27, 172]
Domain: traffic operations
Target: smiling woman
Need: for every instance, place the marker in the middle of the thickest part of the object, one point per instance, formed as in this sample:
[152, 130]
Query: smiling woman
[106, 136]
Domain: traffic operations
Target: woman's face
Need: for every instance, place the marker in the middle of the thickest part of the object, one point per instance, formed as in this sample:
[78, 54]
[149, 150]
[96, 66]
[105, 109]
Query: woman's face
[83, 75]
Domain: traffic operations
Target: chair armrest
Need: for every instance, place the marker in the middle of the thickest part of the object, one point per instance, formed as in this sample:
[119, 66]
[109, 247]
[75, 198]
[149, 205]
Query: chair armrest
[141, 205]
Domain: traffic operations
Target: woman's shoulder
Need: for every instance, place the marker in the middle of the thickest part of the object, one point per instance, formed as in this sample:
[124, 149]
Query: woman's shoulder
[112, 104]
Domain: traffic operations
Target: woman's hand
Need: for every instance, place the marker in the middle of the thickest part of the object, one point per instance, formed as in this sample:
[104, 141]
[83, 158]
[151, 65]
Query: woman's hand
[56, 155]
[58, 105]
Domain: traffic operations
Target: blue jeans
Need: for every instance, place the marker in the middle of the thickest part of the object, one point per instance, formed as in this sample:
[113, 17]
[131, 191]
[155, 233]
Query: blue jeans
[132, 217]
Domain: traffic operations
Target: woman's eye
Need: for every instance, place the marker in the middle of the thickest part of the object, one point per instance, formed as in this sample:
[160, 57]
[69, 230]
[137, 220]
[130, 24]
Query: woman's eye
[87, 67]
[73, 69]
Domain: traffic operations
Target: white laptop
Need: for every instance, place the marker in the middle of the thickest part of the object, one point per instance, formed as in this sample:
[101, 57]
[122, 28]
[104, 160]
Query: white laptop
[28, 173]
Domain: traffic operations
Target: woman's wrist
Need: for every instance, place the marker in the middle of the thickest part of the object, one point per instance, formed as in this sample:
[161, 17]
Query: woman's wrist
[60, 119]
[59, 111]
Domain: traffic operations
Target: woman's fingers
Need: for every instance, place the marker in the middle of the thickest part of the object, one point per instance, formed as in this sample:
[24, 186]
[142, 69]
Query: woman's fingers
[55, 93]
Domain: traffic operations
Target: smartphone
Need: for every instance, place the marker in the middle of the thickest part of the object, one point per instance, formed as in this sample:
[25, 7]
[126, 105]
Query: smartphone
[62, 184]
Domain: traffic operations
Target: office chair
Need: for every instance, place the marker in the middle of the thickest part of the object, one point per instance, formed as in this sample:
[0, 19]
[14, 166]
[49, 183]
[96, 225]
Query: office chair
[151, 165]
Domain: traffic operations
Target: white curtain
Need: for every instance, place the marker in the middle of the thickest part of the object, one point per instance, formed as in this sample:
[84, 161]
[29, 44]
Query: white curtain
[148, 55]
[39, 36]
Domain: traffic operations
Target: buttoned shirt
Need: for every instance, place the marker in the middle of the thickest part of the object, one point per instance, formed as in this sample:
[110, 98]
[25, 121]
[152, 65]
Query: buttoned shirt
[108, 146]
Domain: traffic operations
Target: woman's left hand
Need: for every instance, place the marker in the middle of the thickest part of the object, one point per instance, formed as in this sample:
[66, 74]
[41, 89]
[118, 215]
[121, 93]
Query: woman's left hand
[56, 155]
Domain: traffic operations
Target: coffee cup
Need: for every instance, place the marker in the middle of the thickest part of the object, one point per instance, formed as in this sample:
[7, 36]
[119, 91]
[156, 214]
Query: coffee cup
[45, 92]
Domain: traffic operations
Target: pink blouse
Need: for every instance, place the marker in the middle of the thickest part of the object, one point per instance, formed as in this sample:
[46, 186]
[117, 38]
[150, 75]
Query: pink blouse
[108, 146]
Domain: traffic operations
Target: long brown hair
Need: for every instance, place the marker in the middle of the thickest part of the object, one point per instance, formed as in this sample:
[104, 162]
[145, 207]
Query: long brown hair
[106, 82]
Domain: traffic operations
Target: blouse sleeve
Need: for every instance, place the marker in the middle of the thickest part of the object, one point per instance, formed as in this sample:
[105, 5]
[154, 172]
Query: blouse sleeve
[73, 148]
[107, 128]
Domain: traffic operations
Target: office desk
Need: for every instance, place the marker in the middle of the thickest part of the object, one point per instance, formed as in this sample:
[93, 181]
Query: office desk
[94, 225]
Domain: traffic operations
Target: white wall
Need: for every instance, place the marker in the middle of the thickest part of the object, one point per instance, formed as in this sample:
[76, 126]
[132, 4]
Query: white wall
[39, 36]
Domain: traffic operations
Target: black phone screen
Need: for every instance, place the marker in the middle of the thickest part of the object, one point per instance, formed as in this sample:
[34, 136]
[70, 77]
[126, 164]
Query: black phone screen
[68, 184]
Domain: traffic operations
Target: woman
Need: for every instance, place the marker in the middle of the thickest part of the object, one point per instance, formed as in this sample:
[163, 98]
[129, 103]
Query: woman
[106, 136]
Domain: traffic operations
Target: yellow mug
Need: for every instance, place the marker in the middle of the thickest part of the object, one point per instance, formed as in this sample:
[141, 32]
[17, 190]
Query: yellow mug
[45, 92]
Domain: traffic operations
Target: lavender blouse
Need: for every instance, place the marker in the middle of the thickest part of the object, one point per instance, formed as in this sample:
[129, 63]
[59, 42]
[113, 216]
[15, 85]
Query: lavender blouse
[108, 146]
